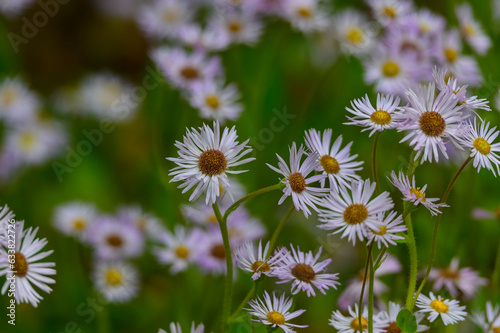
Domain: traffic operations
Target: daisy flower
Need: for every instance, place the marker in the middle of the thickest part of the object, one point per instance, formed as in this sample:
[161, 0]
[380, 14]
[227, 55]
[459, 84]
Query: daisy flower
[117, 281]
[275, 312]
[479, 137]
[350, 294]
[387, 229]
[297, 185]
[353, 32]
[206, 158]
[238, 27]
[178, 249]
[414, 194]
[115, 239]
[432, 121]
[334, 162]
[183, 69]
[211, 254]
[306, 15]
[107, 96]
[305, 271]
[428, 22]
[353, 213]
[214, 101]
[165, 18]
[484, 214]
[465, 281]
[202, 214]
[17, 103]
[391, 315]
[464, 68]
[203, 39]
[27, 271]
[75, 218]
[5, 216]
[257, 261]
[350, 322]
[243, 227]
[147, 223]
[390, 11]
[374, 119]
[450, 310]
[176, 328]
[472, 30]
[489, 321]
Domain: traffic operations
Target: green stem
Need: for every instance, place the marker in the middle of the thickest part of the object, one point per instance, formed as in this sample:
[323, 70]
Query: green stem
[374, 161]
[380, 257]
[367, 265]
[249, 295]
[370, 296]
[436, 225]
[412, 248]
[495, 277]
[226, 306]
[235, 205]
[280, 227]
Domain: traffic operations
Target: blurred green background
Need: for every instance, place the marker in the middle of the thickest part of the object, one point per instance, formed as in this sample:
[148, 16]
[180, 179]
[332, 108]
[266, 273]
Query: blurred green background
[129, 167]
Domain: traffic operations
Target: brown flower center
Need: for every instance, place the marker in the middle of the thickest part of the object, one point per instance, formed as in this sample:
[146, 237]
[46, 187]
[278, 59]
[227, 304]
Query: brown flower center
[355, 214]
[303, 272]
[305, 12]
[393, 328]
[115, 241]
[329, 164]
[212, 162]
[261, 266]
[234, 26]
[20, 265]
[218, 251]
[297, 182]
[432, 123]
[190, 73]
[449, 273]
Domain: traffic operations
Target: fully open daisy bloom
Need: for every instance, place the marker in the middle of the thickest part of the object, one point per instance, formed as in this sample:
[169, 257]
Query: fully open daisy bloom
[479, 137]
[391, 315]
[75, 218]
[305, 271]
[465, 281]
[350, 322]
[297, 185]
[275, 312]
[472, 30]
[450, 310]
[116, 281]
[17, 103]
[206, 158]
[28, 271]
[432, 121]
[351, 28]
[164, 18]
[390, 11]
[353, 213]
[414, 194]
[387, 229]
[306, 15]
[258, 261]
[176, 328]
[374, 119]
[336, 163]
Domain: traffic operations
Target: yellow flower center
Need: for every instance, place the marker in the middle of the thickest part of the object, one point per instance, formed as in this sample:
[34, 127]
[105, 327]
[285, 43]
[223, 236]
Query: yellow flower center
[260, 266]
[114, 277]
[355, 324]
[432, 123]
[20, 265]
[9, 95]
[212, 162]
[482, 146]
[496, 329]
[389, 11]
[424, 27]
[79, 224]
[212, 101]
[355, 35]
[275, 318]
[451, 54]
[182, 252]
[305, 12]
[449, 273]
[27, 141]
[355, 214]
[329, 164]
[381, 232]
[469, 30]
[439, 306]
[234, 26]
[381, 117]
[170, 16]
[303, 272]
[297, 182]
[418, 194]
[390, 68]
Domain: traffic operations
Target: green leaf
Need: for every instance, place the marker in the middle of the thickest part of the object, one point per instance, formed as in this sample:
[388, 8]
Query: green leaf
[406, 321]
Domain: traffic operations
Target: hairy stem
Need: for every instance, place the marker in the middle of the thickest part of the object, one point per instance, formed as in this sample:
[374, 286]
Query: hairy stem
[436, 225]
[374, 161]
[370, 295]
[235, 205]
[249, 295]
[280, 227]
[361, 296]
[412, 248]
